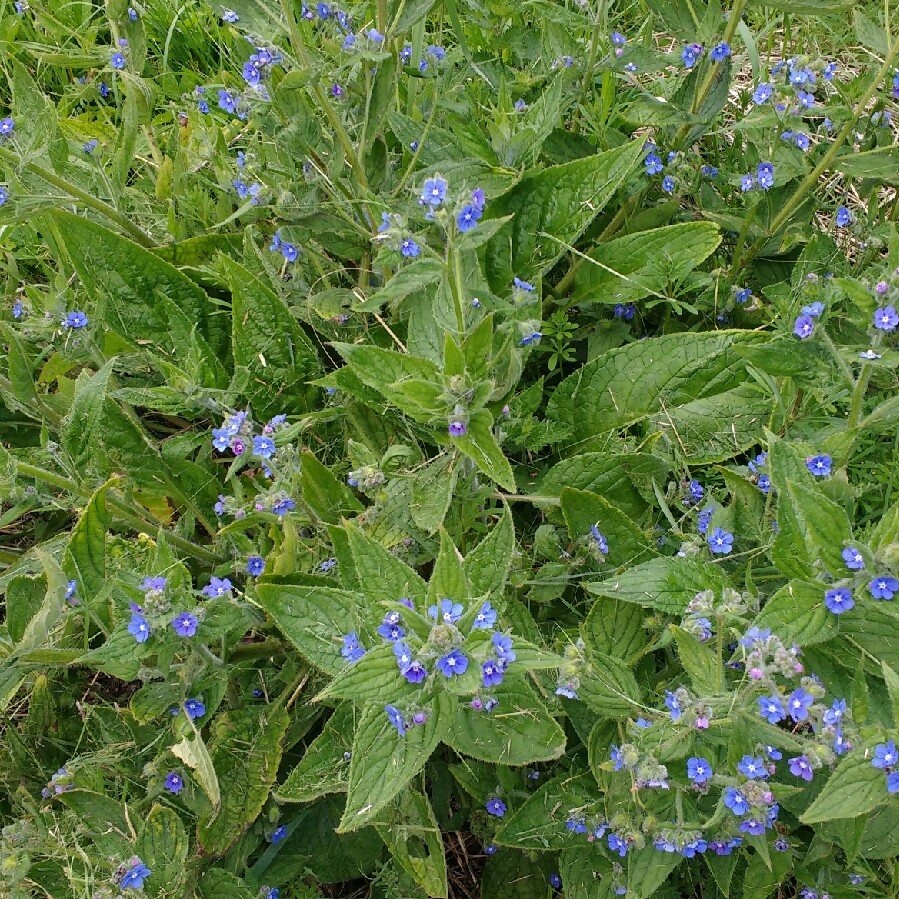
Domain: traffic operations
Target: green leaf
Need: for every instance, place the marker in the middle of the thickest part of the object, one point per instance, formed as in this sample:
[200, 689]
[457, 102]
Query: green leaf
[273, 358]
[325, 767]
[432, 491]
[314, 619]
[700, 662]
[681, 385]
[245, 751]
[628, 544]
[643, 264]
[762, 877]
[383, 576]
[329, 498]
[648, 869]
[103, 817]
[86, 552]
[796, 613]
[24, 596]
[119, 656]
[517, 732]
[540, 822]
[144, 298]
[615, 628]
[218, 884]
[162, 847]
[855, 788]
[608, 687]
[806, 7]
[880, 165]
[415, 842]
[448, 577]
[375, 677]
[194, 754]
[479, 444]
[82, 429]
[384, 762]
[552, 209]
[892, 682]
[666, 584]
[487, 565]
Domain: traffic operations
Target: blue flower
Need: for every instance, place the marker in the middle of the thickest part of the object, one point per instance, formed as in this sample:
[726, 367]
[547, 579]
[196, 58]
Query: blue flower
[217, 587]
[195, 708]
[576, 825]
[668, 184]
[264, 447]
[352, 650]
[835, 713]
[230, 16]
[395, 717]
[251, 73]
[601, 542]
[289, 251]
[434, 191]
[710, 171]
[762, 93]
[673, 705]
[804, 326]
[409, 248]
[523, 285]
[185, 624]
[839, 600]
[390, 629]
[885, 755]
[765, 175]
[71, 587]
[735, 801]
[805, 99]
[618, 39]
[690, 54]
[829, 70]
[815, 310]
[486, 617]
[452, 664]
[449, 612]
[771, 709]
[227, 102]
[624, 310]
[753, 768]
[698, 770]
[495, 807]
[843, 217]
[893, 782]
[374, 35]
[139, 627]
[653, 164]
[174, 783]
[103, 89]
[503, 647]
[6, 126]
[555, 881]
[747, 182]
[283, 506]
[883, 587]
[820, 465]
[801, 140]
[720, 541]
[753, 827]
[534, 337]
[694, 848]
[90, 146]
[743, 295]
[773, 753]
[76, 320]
[491, 673]
[255, 566]
[468, 217]
[886, 319]
[279, 833]
[703, 519]
[117, 61]
[720, 52]
[798, 704]
[135, 876]
[323, 10]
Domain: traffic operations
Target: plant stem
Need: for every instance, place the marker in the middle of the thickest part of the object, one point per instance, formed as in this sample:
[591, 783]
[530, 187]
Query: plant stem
[77, 193]
[591, 62]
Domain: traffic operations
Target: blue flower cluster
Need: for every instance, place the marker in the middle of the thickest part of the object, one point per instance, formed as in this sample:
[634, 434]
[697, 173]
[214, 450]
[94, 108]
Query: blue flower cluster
[883, 585]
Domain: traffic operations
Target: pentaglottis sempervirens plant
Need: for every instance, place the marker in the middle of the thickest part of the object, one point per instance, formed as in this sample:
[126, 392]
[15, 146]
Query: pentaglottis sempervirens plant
[449, 449]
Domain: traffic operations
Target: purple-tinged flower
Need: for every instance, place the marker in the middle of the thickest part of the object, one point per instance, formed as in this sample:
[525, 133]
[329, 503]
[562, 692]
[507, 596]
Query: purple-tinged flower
[157, 582]
[555, 881]
[503, 647]
[839, 600]
[195, 708]
[673, 705]
[6, 126]
[395, 717]
[773, 753]
[883, 587]
[601, 542]
[255, 566]
[283, 506]
[798, 704]
[185, 624]
[139, 627]
[885, 755]
[496, 807]
[753, 827]
[804, 326]
[227, 101]
[886, 318]
[819, 465]
[453, 664]
[747, 182]
[765, 175]
[576, 825]
[815, 310]
[218, 587]
[457, 428]
[230, 16]
[698, 770]
[690, 54]
[352, 649]
[618, 39]
[117, 61]
[720, 541]
[174, 783]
